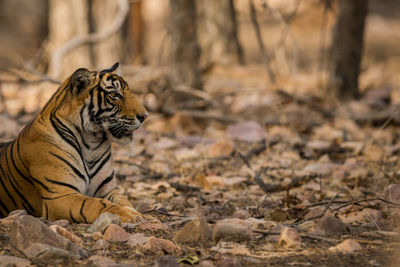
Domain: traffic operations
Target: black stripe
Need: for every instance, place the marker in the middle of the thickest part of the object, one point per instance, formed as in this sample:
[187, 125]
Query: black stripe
[19, 154]
[72, 217]
[104, 182]
[104, 206]
[28, 206]
[102, 163]
[74, 169]
[4, 186]
[54, 198]
[4, 207]
[62, 184]
[42, 185]
[15, 165]
[47, 211]
[81, 211]
[65, 133]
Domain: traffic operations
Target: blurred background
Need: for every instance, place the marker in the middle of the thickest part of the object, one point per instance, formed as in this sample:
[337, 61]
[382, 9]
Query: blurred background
[180, 55]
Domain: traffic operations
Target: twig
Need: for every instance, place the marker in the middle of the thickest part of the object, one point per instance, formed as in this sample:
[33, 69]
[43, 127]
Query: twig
[55, 64]
[323, 212]
[295, 182]
[184, 187]
[265, 57]
[239, 50]
[314, 237]
[365, 200]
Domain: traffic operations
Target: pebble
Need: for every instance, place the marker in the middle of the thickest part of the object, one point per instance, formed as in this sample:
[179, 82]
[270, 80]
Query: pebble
[46, 253]
[313, 212]
[206, 263]
[289, 238]
[392, 193]
[100, 245]
[100, 261]
[194, 232]
[6, 261]
[12, 216]
[347, 246]
[233, 229]
[137, 239]
[221, 149]
[330, 225]
[62, 223]
[241, 214]
[158, 246]
[104, 220]
[115, 233]
[154, 225]
[166, 261]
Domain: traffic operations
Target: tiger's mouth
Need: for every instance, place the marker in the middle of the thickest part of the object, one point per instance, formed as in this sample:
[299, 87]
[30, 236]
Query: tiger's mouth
[122, 131]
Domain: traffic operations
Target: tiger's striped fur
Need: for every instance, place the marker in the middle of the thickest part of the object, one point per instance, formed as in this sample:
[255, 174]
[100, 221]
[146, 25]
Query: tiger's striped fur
[60, 166]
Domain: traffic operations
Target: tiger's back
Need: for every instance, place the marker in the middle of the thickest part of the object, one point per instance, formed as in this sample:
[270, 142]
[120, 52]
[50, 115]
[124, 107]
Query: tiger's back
[60, 165]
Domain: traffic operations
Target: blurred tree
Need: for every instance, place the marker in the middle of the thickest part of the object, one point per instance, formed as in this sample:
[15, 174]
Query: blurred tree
[110, 50]
[68, 19]
[346, 48]
[134, 33]
[218, 34]
[185, 51]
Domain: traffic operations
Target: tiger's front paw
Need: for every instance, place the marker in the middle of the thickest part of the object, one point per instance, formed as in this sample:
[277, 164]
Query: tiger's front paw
[127, 214]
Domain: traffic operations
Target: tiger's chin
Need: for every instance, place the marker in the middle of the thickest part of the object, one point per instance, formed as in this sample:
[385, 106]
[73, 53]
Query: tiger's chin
[124, 140]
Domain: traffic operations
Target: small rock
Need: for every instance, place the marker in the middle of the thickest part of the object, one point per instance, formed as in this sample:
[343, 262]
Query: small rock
[194, 232]
[234, 229]
[157, 246]
[241, 214]
[206, 263]
[321, 168]
[313, 212]
[166, 261]
[289, 238]
[67, 234]
[392, 193]
[143, 205]
[229, 262]
[97, 236]
[46, 253]
[100, 245]
[137, 239]
[104, 220]
[154, 225]
[221, 149]
[347, 246]
[249, 131]
[11, 261]
[100, 261]
[114, 233]
[12, 216]
[28, 230]
[330, 225]
[231, 248]
[61, 223]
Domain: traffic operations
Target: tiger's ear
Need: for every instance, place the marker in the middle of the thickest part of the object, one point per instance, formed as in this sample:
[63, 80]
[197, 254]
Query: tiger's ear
[80, 80]
[112, 69]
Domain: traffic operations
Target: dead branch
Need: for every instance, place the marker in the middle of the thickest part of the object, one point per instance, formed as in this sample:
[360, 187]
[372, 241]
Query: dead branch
[313, 237]
[22, 75]
[265, 57]
[295, 182]
[55, 64]
[331, 201]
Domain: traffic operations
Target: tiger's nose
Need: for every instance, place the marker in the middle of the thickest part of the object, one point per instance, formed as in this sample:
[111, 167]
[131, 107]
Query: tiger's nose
[142, 117]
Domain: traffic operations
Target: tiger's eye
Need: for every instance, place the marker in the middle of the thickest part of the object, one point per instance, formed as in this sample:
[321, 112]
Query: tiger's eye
[113, 94]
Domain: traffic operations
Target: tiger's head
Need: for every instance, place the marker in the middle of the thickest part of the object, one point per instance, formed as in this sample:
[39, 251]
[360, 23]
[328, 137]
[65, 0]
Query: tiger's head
[107, 105]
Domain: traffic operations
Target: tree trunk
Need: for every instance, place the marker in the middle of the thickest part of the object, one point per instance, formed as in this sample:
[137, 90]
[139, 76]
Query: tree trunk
[134, 34]
[68, 19]
[218, 31]
[185, 51]
[109, 51]
[346, 49]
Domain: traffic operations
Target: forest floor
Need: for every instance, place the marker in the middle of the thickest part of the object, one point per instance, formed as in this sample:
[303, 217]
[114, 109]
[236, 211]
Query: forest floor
[272, 156]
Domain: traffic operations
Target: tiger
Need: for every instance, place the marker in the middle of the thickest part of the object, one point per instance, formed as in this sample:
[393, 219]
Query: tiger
[60, 165]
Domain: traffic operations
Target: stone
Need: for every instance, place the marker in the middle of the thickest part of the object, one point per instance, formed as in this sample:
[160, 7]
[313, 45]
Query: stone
[289, 238]
[62, 223]
[100, 261]
[206, 263]
[221, 149]
[115, 233]
[67, 234]
[100, 245]
[154, 225]
[47, 253]
[194, 232]
[313, 212]
[11, 261]
[392, 193]
[229, 262]
[329, 225]
[28, 230]
[321, 168]
[166, 261]
[234, 229]
[137, 239]
[241, 214]
[157, 246]
[12, 216]
[104, 220]
[231, 248]
[249, 131]
[347, 246]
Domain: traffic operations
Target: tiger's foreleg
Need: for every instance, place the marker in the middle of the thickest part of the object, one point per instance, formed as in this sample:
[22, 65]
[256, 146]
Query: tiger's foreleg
[80, 208]
[117, 198]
